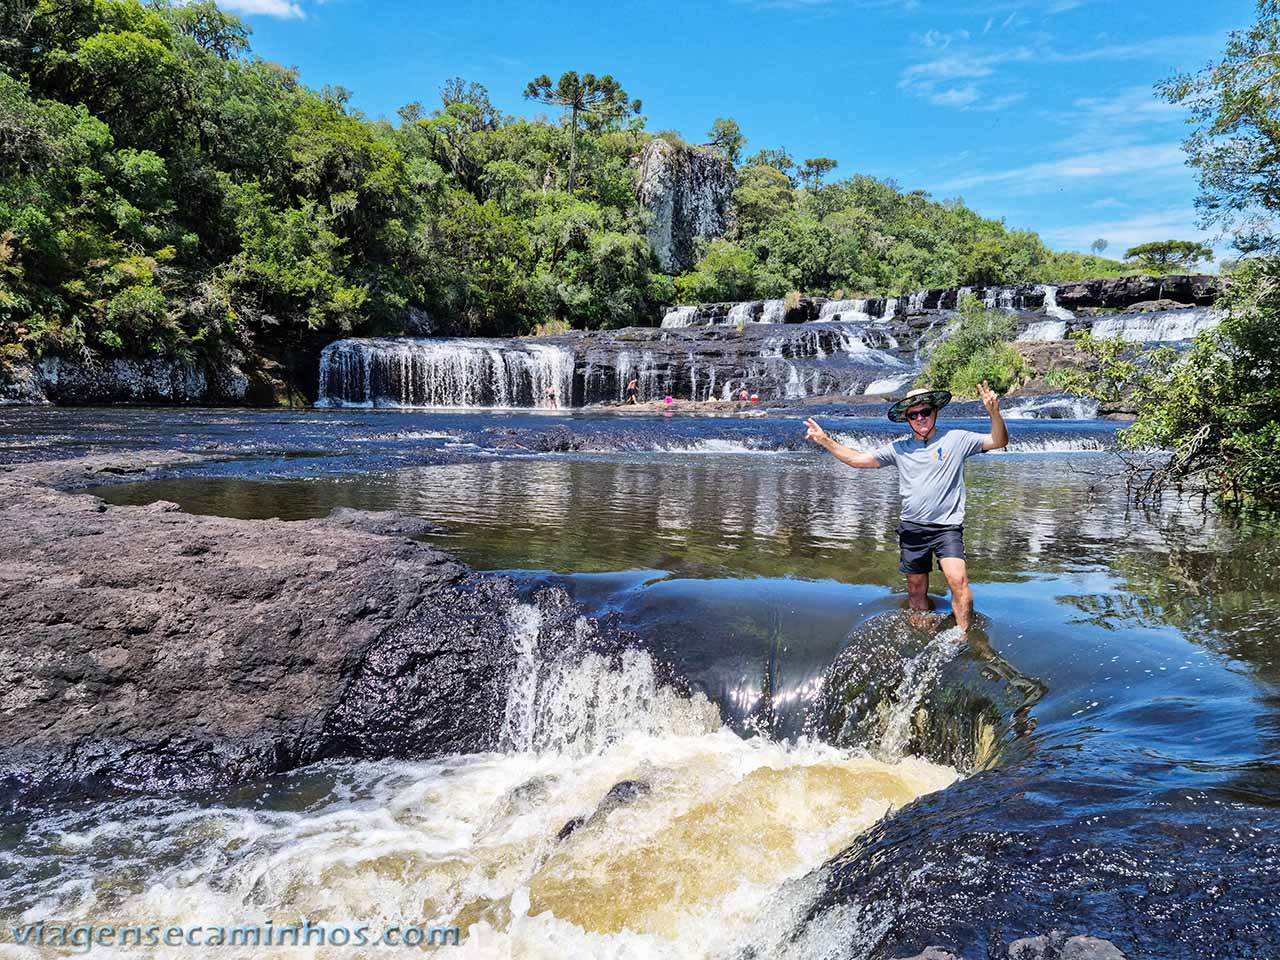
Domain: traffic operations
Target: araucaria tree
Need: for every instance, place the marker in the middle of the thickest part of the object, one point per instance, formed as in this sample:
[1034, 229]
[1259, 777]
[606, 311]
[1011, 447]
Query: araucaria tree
[1165, 256]
[595, 97]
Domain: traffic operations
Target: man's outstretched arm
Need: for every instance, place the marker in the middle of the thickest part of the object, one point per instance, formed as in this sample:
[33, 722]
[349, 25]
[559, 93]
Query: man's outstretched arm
[854, 458]
[998, 438]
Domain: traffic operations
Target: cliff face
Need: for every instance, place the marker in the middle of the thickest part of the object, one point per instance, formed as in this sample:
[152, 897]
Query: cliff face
[688, 190]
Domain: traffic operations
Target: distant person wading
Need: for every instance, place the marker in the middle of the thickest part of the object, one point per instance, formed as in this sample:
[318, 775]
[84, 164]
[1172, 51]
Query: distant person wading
[931, 483]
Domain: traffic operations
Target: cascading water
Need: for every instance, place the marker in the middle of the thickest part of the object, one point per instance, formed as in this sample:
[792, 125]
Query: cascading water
[743, 313]
[853, 310]
[1160, 326]
[417, 372]
[1051, 307]
[775, 311]
[1044, 330]
[618, 818]
[679, 317]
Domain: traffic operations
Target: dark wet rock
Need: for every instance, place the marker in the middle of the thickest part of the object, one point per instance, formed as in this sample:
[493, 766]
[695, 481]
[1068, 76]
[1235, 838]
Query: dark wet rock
[19, 385]
[1061, 837]
[1057, 945]
[567, 830]
[976, 705]
[688, 191]
[620, 794]
[435, 685]
[1123, 292]
[934, 953]
[148, 649]
[218, 379]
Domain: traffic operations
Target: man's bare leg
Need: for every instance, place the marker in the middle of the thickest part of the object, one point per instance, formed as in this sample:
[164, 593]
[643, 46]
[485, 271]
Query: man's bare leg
[918, 591]
[953, 568]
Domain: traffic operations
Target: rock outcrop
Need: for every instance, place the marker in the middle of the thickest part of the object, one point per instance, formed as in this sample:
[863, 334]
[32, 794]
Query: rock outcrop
[688, 190]
[148, 649]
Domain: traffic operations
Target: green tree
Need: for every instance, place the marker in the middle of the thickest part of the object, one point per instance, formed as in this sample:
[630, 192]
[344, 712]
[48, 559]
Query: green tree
[726, 139]
[763, 194]
[1168, 256]
[778, 159]
[586, 96]
[815, 169]
[725, 272]
[1234, 107]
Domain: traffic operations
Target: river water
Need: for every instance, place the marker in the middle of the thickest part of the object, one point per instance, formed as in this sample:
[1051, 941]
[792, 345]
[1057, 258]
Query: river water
[829, 777]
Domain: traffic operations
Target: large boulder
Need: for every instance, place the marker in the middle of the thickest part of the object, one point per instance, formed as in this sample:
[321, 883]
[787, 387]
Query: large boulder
[142, 648]
[688, 190]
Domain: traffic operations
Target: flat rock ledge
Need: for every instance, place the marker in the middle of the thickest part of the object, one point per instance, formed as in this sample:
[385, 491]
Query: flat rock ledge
[145, 649]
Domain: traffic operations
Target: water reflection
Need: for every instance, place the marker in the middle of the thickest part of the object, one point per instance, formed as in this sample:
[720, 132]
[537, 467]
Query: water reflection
[715, 515]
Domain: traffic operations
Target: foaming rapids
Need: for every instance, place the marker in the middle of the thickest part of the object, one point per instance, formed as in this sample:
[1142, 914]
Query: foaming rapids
[620, 818]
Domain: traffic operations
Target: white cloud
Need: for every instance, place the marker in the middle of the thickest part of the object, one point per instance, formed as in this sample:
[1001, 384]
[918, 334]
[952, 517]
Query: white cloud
[265, 8]
[940, 40]
[1133, 106]
[1175, 223]
[957, 55]
[1148, 159]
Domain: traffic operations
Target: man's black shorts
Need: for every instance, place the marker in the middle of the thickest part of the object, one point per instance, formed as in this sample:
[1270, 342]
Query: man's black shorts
[921, 542]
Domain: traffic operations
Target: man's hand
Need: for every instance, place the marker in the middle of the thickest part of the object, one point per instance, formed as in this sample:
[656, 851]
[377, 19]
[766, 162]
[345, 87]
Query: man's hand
[998, 438]
[815, 432]
[990, 399]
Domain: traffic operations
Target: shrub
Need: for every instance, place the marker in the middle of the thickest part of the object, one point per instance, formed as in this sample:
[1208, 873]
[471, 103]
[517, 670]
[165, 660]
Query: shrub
[976, 347]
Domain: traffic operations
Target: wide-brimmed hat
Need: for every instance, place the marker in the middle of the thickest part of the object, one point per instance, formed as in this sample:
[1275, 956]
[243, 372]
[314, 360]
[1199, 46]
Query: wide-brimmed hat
[934, 398]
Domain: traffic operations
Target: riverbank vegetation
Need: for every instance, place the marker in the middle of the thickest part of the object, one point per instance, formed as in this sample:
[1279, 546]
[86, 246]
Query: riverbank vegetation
[164, 190]
[1217, 408]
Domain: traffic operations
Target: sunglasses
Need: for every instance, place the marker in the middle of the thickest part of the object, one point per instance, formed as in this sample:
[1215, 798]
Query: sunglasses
[920, 414]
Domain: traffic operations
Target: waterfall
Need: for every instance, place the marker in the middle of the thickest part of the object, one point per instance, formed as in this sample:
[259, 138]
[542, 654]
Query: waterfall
[679, 317]
[775, 311]
[1051, 307]
[1045, 330]
[918, 675]
[999, 297]
[741, 314]
[644, 372]
[889, 385]
[844, 310]
[1164, 325]
[419, 372]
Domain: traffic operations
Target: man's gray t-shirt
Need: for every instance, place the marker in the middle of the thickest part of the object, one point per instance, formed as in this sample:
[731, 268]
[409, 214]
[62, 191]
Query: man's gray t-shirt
[931, 474]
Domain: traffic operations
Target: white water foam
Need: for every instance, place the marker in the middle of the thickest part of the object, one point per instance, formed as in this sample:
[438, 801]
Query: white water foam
[889, 385]
[1161, 326]
[1044, 330]
[679, 317]
[716, 842]
[918, 675]
[1052, 408]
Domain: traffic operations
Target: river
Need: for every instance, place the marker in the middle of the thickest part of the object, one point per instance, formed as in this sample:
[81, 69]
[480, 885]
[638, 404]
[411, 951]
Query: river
[779, 761]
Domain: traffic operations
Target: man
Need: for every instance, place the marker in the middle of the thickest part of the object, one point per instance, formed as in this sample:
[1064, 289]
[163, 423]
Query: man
[931, 483]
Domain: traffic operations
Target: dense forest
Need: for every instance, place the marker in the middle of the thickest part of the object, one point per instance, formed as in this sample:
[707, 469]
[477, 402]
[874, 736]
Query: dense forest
[162, 189]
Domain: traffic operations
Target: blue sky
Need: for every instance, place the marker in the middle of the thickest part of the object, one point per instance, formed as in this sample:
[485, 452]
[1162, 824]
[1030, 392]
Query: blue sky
[1040, 112]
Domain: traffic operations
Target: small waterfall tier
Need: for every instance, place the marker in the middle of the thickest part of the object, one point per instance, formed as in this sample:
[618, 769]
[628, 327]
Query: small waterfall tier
[422, 372]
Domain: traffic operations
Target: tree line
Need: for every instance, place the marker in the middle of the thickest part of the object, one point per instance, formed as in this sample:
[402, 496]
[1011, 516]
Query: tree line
[164, 190]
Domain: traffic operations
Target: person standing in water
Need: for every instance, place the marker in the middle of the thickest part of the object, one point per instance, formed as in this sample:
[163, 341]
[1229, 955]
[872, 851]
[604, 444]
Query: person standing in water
[931, 483]
[633, 391]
